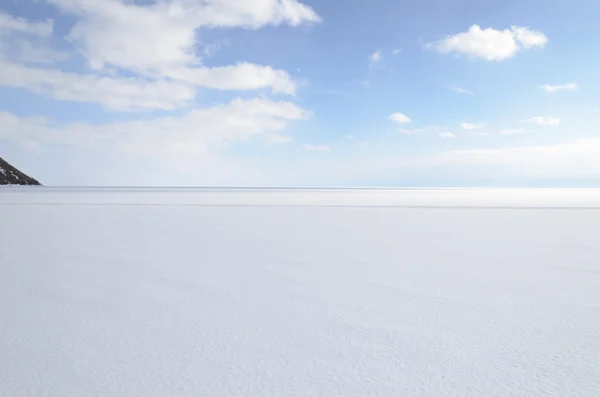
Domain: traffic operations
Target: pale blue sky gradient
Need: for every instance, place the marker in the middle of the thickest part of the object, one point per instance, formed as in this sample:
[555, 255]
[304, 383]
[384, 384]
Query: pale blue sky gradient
[343, 134]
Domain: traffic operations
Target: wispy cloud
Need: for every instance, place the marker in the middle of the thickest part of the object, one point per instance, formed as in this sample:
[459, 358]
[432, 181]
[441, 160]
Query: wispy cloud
[400, 118]
[555, 88]
[375, 58]
[31, 52]
[543, 120]
[276, 138]
[396, 51]
[238, 121]
[446, 135]
[407, 131]
[576, 158]
[514, 131]
[317, 148]
[9, 23]
[471, 126]
[461, 90]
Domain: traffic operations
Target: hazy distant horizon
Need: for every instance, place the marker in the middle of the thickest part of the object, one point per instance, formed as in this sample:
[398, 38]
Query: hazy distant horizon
[501, 198]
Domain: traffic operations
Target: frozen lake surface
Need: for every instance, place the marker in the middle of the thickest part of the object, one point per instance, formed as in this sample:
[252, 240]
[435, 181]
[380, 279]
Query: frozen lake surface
[250, 292]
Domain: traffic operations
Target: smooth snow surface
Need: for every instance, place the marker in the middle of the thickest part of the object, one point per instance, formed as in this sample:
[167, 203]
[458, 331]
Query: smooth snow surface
[192, 292]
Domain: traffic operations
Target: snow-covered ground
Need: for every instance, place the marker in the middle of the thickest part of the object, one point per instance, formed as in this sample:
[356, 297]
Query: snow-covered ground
[167, 292]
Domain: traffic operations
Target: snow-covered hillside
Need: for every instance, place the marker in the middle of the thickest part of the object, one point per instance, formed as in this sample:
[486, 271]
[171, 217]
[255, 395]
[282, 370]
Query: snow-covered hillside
[299, 293]
[9, 175]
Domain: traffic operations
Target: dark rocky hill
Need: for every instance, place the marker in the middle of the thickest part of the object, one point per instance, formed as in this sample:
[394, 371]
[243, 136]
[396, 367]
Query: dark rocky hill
[9, 175]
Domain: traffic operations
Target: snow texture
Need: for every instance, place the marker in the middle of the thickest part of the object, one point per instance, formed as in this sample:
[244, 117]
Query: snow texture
[196, 292]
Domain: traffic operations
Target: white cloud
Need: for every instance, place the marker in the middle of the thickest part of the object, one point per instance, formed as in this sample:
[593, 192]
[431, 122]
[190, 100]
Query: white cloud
[544, 120]
[29, 52]
[471, 126]
[32, 49]
[317, 148]
[157, 42]
[529, 38]
[109, 32]
[400, 118]
[195, 132]
[490, 44]
[555, 88]
[279, 139]
[462, 90]
[375, 58]
[252, 15]
[242, 76]
[117, 94]
[577, 158]
[158, 45]
[123, 94]
[446, 135]
[407, 131]
[9, 24]
[212, 49]
[396, 51]
[514, 131]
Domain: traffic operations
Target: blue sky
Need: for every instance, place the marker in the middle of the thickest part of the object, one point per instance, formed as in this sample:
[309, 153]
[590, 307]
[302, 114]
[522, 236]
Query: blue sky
[288, 92]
